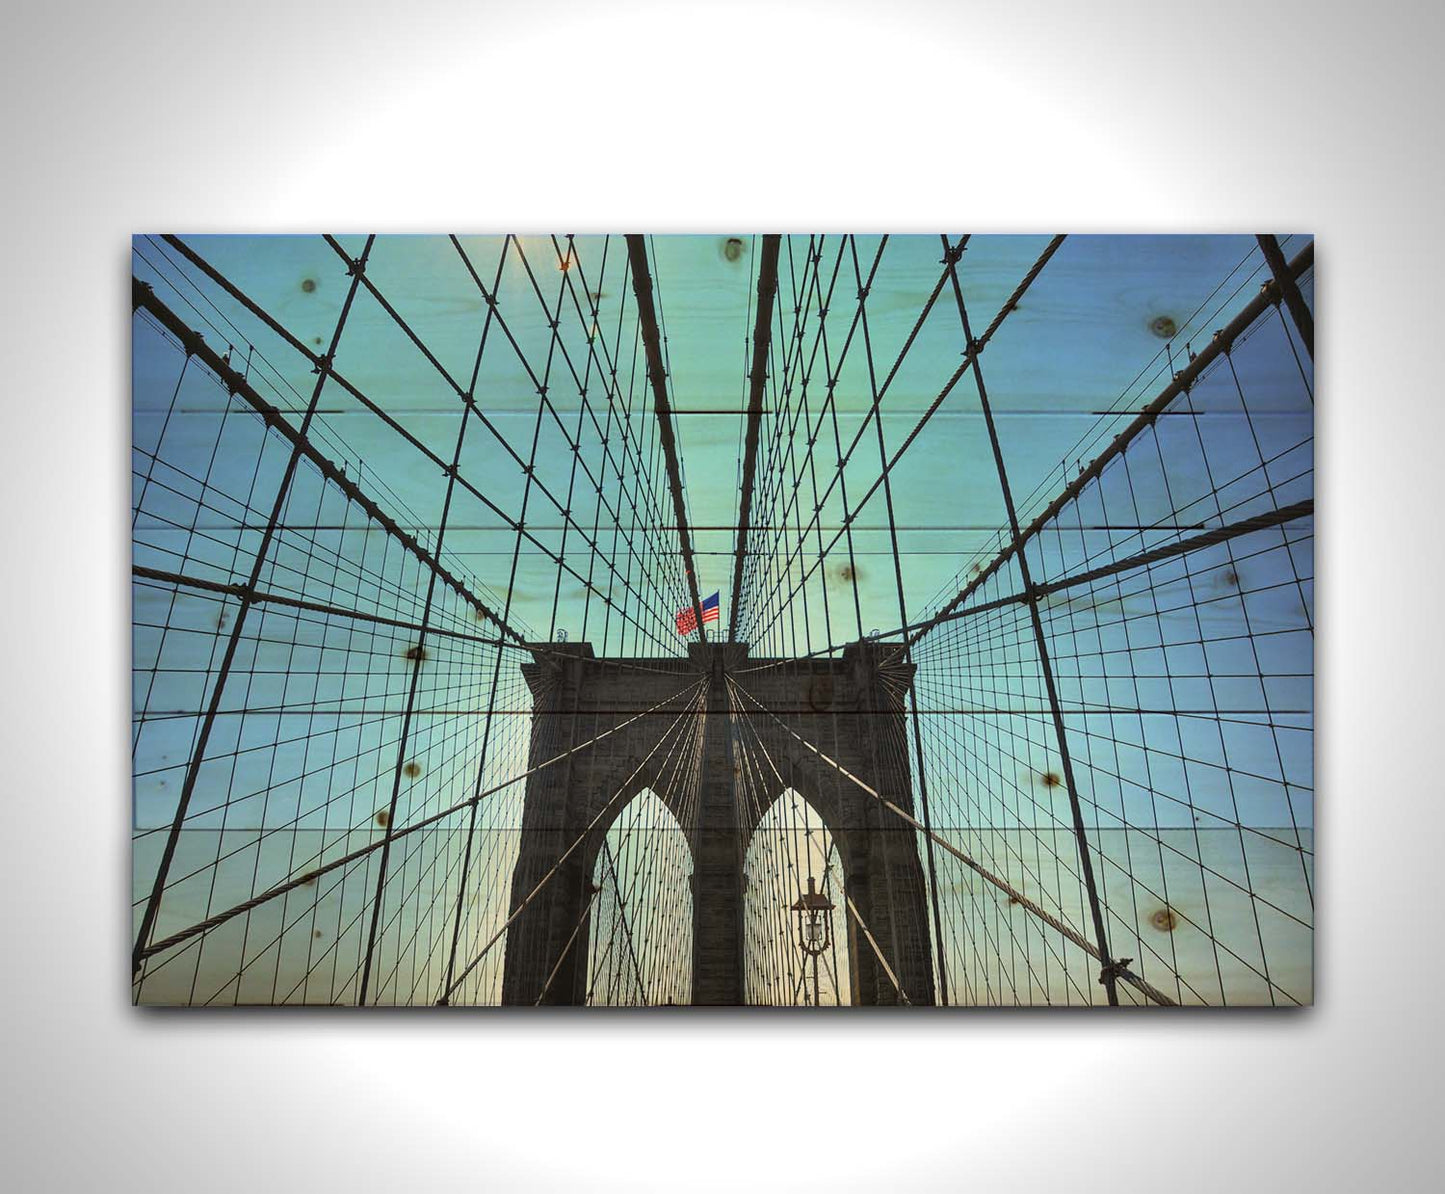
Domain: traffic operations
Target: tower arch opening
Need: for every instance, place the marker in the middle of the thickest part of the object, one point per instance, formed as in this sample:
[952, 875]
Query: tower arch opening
[786, 962]
[640, 921]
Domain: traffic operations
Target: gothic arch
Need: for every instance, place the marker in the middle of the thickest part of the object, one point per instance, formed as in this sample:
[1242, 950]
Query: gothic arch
[638, 940]
[790, 847]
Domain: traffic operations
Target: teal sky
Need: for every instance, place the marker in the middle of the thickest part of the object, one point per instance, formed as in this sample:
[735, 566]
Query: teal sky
[1085, 340]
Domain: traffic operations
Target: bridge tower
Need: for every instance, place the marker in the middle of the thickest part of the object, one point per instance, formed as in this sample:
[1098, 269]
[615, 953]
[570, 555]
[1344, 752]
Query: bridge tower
[850, 708]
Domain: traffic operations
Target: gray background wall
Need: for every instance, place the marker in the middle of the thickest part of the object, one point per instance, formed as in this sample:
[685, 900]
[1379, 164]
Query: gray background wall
[1108, 116]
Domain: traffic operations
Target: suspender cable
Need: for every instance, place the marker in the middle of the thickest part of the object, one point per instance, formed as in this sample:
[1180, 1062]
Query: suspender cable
[1293, 299]
[1146, 418]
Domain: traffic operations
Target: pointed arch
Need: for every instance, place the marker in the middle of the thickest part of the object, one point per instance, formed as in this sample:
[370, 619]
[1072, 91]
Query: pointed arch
[791, 844]
[639, 935]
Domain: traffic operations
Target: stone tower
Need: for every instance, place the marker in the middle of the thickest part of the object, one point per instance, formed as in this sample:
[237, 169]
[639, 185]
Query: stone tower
[850, 708]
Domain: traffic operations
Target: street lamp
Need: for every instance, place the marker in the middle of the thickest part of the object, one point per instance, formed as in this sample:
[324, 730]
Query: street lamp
[815, 927]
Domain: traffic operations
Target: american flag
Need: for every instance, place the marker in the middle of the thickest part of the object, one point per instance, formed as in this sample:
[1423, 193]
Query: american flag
[687, 619]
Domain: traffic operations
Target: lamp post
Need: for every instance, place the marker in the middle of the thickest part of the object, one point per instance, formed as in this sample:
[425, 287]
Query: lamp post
[815, 927]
